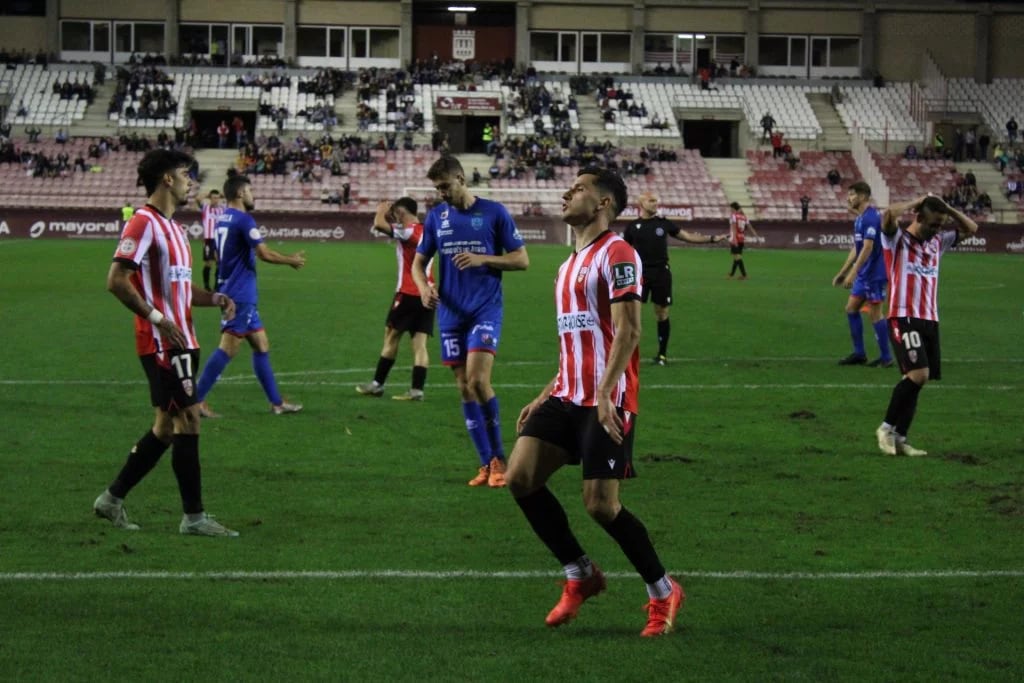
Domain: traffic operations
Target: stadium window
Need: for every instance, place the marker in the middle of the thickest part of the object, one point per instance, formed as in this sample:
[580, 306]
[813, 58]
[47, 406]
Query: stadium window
[616, 47]
[728, 48]
[336, 38]
[543, 46]
[567, 47]
[797, 51]
[844, 52]
[76, 36]
[311, 41]
[267, 40]
[23, 8]
[384, 43]
[101, 36]
[360, 43]
[684, 50]
[123, 37]
[658, 49]
[141, 37]
[773, 51]
[194, 38]
[591, 47]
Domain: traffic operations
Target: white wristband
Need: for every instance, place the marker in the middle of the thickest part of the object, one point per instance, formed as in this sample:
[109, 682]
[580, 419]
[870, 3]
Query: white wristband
[155, 317]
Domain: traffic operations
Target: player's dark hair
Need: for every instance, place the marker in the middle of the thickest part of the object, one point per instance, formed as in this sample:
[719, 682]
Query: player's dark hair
[214, 192]
[407, 203]
[860, 187]
[933, 204]
[233, 186]
[735, 206]
[609, 181]
[159, 162]
[445, 166]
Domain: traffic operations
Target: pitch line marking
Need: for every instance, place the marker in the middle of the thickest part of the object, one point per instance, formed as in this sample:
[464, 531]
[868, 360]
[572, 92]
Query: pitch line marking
[314, 575]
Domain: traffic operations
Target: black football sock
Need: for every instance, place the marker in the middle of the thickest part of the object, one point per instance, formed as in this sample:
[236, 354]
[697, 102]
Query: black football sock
[743, 268]
[911, 392]
[419, 377]
[383, 368]
[185, 461]
[206, 277]
[549, 521]
[664, 328]
[631, 535]
[143, 458]
[733, 271]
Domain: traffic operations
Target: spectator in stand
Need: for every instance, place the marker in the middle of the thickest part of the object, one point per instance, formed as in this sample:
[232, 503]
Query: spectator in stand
[22, 109]
[1011, 130]
[971, 144]
[777, 143]
[939, 143]
[61, 136]
[33, 133]
[910, 152]
[1014, 188]
[222, 134]
[983, 142]
[239, 127]
[790, 157]
[833, 177]
[805, 205]
[767, 124]
[970, 180]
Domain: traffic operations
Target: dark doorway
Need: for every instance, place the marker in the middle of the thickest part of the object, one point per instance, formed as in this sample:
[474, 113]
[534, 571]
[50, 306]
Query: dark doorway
[207, 121]
[465, 133]
[712, 138]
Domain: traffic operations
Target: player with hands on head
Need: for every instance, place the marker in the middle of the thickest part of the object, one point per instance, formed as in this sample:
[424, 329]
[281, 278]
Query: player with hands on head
[913, 255]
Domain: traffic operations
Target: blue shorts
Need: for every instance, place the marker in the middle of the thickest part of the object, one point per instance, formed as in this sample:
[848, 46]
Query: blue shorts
[478, 336]
[246, 321]
[873, 291]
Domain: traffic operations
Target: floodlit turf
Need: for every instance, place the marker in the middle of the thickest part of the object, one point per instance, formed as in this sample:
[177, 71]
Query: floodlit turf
[806, 554]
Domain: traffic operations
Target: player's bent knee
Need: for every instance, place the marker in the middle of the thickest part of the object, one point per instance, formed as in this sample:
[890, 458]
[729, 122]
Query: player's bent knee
[601, 510]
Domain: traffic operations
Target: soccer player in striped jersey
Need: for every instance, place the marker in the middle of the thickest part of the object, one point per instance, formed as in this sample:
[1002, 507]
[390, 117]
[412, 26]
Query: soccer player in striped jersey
[863, 273]
[152, 276]
[912, 255]
[211, 211]
[239, 244]
[587, 414]
[738, 226]
[475, 240]
[400, 222]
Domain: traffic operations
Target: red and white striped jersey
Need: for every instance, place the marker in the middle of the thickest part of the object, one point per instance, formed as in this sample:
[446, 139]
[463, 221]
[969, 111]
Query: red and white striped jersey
[605, 271]
[158, 248]
[913, 268]
[210, 215]
[407, 238]
[737, 226]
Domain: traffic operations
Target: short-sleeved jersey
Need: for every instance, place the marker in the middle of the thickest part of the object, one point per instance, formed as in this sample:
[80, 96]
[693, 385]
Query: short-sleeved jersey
[407, 239]
[210, 215]
[913, 267]
[649, 236]
[737, 227]
[868, 226]
[157, 248]
[604, 272]
[237, 238]
[484, 228]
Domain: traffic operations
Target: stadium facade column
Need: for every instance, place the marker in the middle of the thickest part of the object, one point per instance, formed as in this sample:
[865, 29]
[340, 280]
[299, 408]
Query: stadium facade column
[290, 31]
[405, 33]
[636, 45]
[523, 33]
[982, 38]
[753, 30]
[53, 28]
[172, 10]
[869, 40]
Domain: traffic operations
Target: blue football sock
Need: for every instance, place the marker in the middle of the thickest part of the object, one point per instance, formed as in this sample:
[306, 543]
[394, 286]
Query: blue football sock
[215, 365]
[490, 410]
[882, 337]
[477, 429]
[261, 366]
[856, 332]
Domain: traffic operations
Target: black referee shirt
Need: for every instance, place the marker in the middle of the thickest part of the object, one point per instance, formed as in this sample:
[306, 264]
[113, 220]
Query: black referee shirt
[649, 236]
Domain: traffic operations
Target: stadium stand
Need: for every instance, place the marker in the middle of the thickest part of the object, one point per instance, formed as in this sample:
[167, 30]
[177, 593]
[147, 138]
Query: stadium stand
[996, 101]
[879, 113]
[31, 88]
[776, 190]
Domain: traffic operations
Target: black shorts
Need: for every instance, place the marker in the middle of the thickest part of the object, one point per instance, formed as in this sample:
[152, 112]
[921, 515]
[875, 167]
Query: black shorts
[915, 343]
[209, 250]
[172, 388]
[576, 430]
[657, 286]
[736, 249]
[408, 314]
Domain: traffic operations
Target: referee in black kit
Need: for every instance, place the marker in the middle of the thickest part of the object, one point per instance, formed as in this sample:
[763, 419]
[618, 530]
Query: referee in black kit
[649, 236]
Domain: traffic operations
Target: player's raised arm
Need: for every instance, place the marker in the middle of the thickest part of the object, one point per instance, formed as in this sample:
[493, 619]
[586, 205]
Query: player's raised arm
[965, 226]
[380, 220]
[892, 215]
[695, 237]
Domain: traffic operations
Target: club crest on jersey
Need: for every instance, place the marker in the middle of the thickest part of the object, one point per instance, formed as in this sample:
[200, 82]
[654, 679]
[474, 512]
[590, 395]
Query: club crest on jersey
[582, 274]
[186, 384]
[625, 274]
[444, 214]
[477, 222]
[912, 354]
[127, 246]
[659, 232]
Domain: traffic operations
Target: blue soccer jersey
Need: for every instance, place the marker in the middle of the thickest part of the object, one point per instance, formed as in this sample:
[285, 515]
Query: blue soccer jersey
[484, 228]
[868, 225]
[237, 237]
